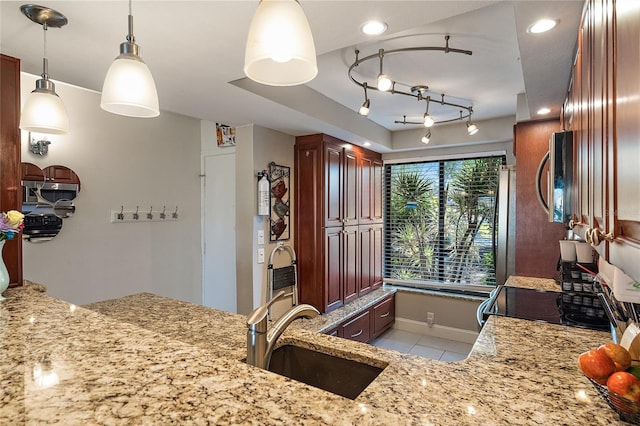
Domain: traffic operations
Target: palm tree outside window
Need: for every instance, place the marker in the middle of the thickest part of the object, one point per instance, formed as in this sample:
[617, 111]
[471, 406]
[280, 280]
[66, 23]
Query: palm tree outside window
[441, 222]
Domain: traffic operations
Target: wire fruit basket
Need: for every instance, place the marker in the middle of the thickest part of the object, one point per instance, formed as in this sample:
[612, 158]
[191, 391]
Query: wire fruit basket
[629, 411]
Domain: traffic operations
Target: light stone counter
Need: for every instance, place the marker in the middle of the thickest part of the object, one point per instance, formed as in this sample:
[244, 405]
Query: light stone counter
[154, 360]
[547, 284]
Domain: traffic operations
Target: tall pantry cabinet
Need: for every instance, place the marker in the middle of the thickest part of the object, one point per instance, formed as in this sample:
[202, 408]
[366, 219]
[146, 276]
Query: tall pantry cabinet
[338, 220]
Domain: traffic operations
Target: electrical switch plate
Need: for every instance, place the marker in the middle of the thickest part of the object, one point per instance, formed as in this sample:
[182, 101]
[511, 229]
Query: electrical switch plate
[260, 255]
[261, 237]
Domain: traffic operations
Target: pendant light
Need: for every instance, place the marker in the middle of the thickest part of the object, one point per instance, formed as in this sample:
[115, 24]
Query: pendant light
[280, 49]
[44, 111]
[129, 88]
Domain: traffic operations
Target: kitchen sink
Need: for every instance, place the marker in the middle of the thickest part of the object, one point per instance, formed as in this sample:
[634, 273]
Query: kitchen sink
[337, 375]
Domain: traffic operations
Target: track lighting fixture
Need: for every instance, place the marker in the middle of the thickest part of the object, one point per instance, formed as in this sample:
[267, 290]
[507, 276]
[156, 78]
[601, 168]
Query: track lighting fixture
[364, 109]
[385, 83]
[43, 110]
[425, 139]
[128, 87]
[280, 49]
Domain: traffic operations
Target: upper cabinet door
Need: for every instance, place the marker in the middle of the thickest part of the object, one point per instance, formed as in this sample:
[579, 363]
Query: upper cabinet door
[366, 167]
[350, 185]
[333, 185]
[598, 132]
[625, 250]
[370, 189]
[376, 193]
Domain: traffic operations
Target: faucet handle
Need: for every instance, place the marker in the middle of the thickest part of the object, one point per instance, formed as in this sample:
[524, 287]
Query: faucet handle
[257, 319]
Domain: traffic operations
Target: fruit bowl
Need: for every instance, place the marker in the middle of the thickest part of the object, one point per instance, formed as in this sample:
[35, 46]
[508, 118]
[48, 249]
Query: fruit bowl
[628, 411]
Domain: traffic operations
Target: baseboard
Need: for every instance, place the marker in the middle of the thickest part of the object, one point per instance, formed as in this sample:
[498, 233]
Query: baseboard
[442, 331]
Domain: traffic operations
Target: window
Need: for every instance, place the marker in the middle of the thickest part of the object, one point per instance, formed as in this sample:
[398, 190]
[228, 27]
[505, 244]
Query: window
[441, 222]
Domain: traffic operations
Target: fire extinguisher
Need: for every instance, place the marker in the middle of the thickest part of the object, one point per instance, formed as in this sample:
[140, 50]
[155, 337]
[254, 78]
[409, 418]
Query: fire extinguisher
[263, 193]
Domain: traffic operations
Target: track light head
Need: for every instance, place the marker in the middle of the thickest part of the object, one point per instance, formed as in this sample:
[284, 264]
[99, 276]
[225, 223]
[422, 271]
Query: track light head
[428, 120]
[364, 109]
[384, 83]
[425, 139]
[472, 129]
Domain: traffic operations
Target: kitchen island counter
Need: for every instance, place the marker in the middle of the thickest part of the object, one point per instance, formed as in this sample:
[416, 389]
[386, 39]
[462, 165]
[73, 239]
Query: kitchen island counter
[154, 360]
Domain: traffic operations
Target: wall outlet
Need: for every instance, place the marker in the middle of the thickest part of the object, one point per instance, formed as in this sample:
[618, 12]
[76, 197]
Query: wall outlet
[260, 255]
[430, 319]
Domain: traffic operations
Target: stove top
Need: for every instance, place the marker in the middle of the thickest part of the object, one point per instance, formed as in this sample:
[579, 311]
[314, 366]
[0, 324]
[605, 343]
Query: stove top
[545, 306]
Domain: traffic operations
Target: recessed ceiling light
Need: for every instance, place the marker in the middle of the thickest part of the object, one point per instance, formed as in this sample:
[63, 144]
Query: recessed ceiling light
[544, 111]
[367, 144]
[543, 25]
[374, 27]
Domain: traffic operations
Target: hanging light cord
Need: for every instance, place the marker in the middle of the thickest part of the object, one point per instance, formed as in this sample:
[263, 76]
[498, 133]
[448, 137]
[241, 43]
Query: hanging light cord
[45, 61]
[130, 37]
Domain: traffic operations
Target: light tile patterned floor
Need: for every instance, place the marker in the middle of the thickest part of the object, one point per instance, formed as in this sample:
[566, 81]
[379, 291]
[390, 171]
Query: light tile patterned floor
[424, 346]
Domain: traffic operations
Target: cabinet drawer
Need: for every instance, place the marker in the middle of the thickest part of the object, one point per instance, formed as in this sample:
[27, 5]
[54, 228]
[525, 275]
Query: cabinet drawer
[358, 328]
[384, 315]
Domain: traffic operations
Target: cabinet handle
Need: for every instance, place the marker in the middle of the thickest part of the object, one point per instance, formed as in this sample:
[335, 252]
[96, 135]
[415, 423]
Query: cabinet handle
[597, 236]
[385, 315]
[357, 334]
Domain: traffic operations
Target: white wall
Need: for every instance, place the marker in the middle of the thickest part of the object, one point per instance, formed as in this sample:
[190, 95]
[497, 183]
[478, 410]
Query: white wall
[129, 162]
[256, 147]
[272, 146]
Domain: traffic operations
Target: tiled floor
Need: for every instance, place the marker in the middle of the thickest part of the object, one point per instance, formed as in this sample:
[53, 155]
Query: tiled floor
[425, 346]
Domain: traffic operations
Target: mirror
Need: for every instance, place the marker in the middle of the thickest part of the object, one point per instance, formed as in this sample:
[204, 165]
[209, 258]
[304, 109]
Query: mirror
[64, 209]
[47, 198]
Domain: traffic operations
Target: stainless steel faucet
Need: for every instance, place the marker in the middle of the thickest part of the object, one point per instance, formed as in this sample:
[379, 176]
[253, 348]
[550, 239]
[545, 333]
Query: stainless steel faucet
[260, 343]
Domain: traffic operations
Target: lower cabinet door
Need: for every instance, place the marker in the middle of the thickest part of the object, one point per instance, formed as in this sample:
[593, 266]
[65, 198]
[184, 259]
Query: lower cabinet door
[383, 316]
[358, 328]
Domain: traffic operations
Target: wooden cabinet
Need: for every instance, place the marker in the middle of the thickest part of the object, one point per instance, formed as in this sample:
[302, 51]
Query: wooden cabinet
[10, 159]
[370, 208]
[370, 242]
[537, 248]
[366, 325]
[383, 316]
[338, 191]
[358, 328]
[604, 112]
[624, 251]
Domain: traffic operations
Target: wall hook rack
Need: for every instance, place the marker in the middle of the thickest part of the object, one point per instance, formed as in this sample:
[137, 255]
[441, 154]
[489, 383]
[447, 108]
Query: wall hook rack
[124, 215]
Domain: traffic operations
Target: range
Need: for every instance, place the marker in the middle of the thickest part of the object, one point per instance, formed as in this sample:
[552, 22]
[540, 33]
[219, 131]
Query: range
[545, 306]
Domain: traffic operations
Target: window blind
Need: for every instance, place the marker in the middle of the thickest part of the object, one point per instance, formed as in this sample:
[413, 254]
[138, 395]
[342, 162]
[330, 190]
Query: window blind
[441, 222]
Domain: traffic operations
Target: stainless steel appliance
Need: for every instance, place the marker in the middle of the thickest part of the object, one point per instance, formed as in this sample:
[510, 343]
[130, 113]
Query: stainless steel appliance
[559, 178]
[505, 244]
[545, 306]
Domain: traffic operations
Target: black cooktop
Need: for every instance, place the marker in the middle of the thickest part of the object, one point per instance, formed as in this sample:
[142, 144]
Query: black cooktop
[545, 306]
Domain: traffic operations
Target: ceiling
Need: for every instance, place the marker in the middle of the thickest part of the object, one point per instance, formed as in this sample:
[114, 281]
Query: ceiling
[195, 50]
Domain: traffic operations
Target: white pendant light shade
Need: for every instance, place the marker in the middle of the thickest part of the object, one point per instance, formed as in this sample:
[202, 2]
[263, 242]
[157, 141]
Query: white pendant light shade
[280, 49]
[44, 112]
[129, 89]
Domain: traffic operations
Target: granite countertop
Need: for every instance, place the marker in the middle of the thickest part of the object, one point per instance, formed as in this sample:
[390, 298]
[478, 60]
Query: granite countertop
[547, 284]
[152, 360]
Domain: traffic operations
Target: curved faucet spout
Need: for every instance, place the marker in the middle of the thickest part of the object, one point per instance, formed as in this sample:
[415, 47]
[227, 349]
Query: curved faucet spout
[299, 311]
[260, 343]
